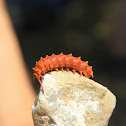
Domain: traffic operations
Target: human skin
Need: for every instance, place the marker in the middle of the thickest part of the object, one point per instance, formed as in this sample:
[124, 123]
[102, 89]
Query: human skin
[16, 92]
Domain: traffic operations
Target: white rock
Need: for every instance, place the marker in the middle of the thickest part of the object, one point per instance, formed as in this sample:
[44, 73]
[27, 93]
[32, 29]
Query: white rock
[72, 100]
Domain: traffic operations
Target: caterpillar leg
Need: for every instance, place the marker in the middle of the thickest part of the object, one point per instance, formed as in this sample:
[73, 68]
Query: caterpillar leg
[80, 73]
[85, 73]
[38, 78]
[40, 82]
[56, 69]
[67, 69]
[61, 69]
[73, 70]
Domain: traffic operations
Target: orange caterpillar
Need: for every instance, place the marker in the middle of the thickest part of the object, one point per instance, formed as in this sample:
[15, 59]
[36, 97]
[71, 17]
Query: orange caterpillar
[56, 62]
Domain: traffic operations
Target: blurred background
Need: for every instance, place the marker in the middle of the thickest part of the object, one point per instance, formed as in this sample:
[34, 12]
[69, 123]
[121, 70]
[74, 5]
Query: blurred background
[94, 30]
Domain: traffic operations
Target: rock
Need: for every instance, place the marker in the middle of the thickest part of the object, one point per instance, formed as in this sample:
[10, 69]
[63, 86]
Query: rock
[72, 100]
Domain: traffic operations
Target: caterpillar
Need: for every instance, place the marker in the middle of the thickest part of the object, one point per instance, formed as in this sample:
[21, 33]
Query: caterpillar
[61, 61]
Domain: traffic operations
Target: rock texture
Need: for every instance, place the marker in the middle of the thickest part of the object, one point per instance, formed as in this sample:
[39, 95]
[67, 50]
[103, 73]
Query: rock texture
[72, 100]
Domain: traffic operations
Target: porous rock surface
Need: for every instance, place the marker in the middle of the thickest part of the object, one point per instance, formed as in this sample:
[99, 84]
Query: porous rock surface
[72, 100]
